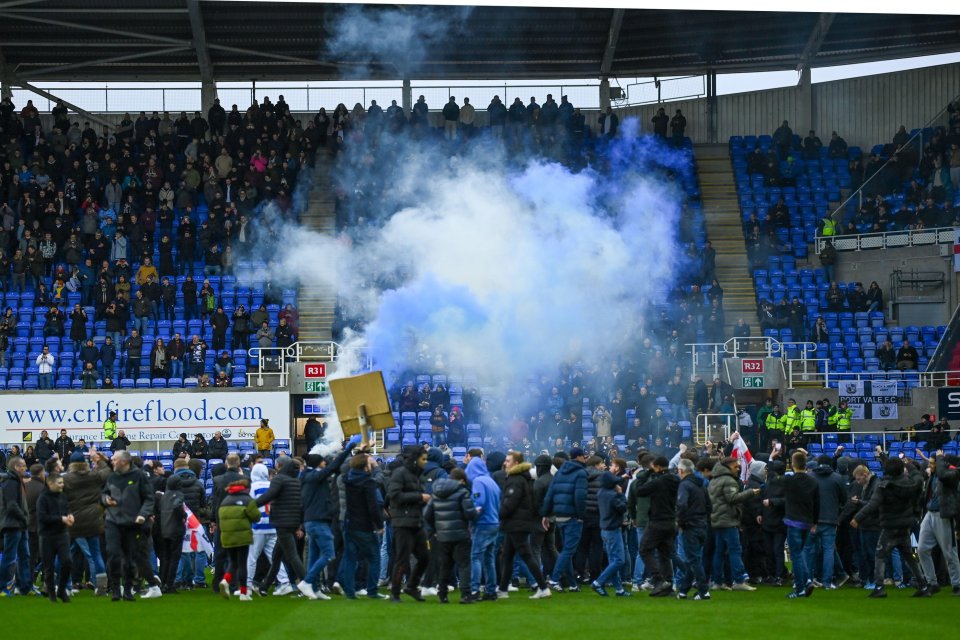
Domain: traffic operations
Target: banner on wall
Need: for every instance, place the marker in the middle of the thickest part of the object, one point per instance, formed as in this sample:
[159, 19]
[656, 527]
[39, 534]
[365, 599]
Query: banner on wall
[870, 399]
[143, 416]
[956, 248]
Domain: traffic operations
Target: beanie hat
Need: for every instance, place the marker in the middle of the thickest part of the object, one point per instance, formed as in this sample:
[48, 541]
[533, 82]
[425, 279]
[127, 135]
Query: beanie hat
[77, 456]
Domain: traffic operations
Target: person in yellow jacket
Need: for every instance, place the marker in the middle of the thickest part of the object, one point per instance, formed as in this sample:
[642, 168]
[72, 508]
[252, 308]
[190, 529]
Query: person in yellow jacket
[264, 438]
[773, 428]
[793, 417]
[844, 421]
[808, 418]
[110, 427]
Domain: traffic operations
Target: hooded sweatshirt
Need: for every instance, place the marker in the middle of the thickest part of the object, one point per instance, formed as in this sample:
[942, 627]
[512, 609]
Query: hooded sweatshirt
[363, 503]
[833, 494]
[485, 493]
[612, 504]
[259, 483]
[405, 491]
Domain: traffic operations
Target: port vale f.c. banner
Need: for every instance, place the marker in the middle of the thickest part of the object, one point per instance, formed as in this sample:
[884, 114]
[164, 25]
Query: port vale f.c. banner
[870, 399]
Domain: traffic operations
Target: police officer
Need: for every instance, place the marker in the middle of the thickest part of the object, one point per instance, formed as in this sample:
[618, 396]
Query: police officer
[808, 418]
[844, 420]
[110, 427]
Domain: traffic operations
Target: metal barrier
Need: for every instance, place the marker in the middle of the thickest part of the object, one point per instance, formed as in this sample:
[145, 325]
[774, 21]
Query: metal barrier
[888, 239]
[714, 426]
[807, 371]
[272, 362]
[753, 346]
[861, 436]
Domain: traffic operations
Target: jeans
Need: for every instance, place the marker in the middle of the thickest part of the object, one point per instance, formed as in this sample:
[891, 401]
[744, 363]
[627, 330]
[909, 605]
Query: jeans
[320, 549]
[616, 558]
[191, 569]
[263, 543]
[141, 324]
[483, 558]
[386, 545]
[16, 553]
[868, 555]
[365, 545]
[571, 531]
[639, 569]
[728, 546]
[438, 438]
[823, 540]
[45, 381]
[176, 368]
[458, 552]
[797, 540]
[692, 540]
[90, 548]
[544, 547]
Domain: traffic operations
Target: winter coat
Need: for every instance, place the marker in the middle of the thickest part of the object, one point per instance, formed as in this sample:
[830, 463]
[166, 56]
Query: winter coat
[405, 492]
[949, 478]
[237, 512]
[567, 495]
[15, 513]
[897, 500]
[485, 493]
[263, 437]
[638, 507]
[772, 513]
[833, 494]
[315, 490]
[516, 506]
[592, 513]
[662, 489]
[450, 511]
[693, 503]
[217, 449]
[726, 498]
[363, 504]
[801, 495]
[284, 498]
[133, 494]
[51, 507]
[83, 486]
[611, 503]
[863, 494]
[186, 482]
[172, 516]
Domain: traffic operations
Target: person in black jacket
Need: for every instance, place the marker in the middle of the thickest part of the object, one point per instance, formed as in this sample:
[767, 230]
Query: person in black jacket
[823, 542]
[223, 476]
[449, 514]
[517, 520]
[182, 447]
[63, 446]
[129, 501]
[801, 496]
[53, 518]
[543, 542]
[897, 501]
[217, 447]
[44, 448]
[13, 523]
[185, 482]
[693, 521]
[868, 529]
[405, 500]
[199, 446]
[286, 510]
[771, 523]
[363, 523]
[319, 511]
[659, 537]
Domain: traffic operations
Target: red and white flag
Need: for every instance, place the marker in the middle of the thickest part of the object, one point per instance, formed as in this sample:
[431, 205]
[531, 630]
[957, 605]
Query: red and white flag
[195, 539]
[742, 453]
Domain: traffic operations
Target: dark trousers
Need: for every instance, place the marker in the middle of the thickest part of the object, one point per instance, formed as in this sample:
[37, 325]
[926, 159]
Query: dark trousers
[169, 552]
[237, 565]
[518, 543]
[774, 541]
[132, 370]
[899, 539]
[589, 556]
[52, 548]
[285, 551]
[693, 539]
[408, 541]
[544, 547]
[754, 560]
[123, 544]
[868, 555]
[656, 550]
[449, 553]
[360, 545]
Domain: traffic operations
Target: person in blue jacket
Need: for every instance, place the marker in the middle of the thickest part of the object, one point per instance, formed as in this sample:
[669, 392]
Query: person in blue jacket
[566, 502]
[485, 494]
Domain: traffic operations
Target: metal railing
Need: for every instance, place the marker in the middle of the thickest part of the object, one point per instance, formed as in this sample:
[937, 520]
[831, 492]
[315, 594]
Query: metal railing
[272, 362]
[888, 239]
[806, 371]
[912, 286]
[666, 90]
[711, 354]
[714, 427]
[859, 436]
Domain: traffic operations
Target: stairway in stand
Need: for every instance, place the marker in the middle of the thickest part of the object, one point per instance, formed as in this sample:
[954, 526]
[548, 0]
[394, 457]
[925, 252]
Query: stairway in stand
[721, 211]
[317, 301]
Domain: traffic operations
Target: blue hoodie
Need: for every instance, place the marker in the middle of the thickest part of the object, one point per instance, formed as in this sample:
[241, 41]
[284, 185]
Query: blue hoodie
[485, 493]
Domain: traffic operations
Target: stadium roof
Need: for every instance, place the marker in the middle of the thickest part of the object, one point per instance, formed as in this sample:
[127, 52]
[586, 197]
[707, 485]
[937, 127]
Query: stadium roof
[177, 40]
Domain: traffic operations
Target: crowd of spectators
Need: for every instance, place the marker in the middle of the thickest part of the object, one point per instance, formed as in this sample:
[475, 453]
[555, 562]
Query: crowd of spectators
[142, 251]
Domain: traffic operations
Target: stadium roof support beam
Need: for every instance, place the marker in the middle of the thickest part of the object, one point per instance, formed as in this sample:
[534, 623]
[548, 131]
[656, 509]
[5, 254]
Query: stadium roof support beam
[6, 90]
[91, 63]
[613, 35]
[208, 88]
[13, 15]
[49, 96]
[815, 41]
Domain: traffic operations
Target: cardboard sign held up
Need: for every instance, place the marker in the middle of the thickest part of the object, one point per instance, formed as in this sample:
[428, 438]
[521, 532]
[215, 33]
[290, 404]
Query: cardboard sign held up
[362, 404]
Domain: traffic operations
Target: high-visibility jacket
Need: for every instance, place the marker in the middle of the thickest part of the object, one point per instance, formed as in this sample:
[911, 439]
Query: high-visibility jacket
[776, 423]
[793, 418]
[829, 227]
[808, 420]
[832, 416]
[109, 429]
[843, 419]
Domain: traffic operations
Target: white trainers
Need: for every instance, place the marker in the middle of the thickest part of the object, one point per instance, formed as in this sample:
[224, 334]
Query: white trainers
[743, 586]
[321, 595]
[425, 591]
[284, 590]
[512, 588]
[540, 594]
[361, 592]
[245, 597]
[152, 592]
[306, 589]
[502, 595]
[225, 589]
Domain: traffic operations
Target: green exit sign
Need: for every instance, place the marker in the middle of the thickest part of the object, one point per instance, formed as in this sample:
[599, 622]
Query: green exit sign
[314, 386]
[753, 382]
